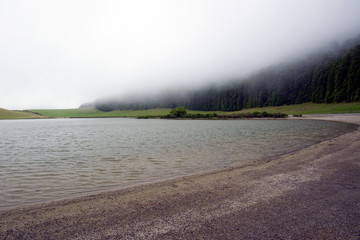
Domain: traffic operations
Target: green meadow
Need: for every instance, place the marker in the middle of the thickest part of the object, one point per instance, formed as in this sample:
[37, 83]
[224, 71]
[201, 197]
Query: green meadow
[305, 108]
[8, 114]
[93, 113]
[310, 108]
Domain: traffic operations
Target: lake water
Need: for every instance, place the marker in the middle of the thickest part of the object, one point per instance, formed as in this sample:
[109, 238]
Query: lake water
[50, 159]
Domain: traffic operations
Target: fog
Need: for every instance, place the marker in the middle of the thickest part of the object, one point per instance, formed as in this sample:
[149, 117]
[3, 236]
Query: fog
[60, 54]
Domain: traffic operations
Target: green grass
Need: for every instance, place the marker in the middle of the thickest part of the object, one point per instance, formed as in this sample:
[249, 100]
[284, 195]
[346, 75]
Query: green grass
[8, 114]
[67, 113]
[92, 113]
[310, 108]
[306, 108]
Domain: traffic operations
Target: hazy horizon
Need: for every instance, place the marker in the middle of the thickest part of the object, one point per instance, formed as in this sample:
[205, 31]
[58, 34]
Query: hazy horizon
[62, 54]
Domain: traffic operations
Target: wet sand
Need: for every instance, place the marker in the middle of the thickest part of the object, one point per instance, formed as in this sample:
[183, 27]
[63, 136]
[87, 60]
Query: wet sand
[313, 193]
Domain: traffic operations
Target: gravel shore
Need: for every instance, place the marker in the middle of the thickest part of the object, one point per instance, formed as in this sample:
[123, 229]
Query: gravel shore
[313, 193]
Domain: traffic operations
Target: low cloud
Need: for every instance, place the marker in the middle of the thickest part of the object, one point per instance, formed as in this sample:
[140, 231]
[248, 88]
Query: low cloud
[59, 54]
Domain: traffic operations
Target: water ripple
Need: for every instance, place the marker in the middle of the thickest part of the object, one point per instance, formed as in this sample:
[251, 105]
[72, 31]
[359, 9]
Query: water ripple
[50, 159]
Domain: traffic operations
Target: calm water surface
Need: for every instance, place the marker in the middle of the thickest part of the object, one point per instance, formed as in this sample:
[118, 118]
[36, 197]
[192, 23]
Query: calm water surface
[56, 158]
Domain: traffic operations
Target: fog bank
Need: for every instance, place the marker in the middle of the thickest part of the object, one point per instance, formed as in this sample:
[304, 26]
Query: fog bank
[59, 54]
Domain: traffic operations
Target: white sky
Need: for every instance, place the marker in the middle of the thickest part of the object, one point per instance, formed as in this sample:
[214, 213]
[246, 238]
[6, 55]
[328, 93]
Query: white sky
[59, 54]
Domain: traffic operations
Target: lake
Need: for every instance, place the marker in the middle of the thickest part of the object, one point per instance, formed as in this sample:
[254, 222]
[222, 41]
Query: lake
[49, 159]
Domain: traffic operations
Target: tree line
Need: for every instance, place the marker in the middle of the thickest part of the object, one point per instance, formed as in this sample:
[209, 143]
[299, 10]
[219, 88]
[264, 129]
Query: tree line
[328, 77]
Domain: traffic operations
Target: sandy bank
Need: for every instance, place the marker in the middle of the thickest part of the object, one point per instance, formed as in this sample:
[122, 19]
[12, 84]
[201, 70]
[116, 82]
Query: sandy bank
[313, 193]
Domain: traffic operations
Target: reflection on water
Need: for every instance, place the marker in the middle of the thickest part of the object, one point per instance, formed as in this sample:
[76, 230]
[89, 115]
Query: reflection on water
[51, 159]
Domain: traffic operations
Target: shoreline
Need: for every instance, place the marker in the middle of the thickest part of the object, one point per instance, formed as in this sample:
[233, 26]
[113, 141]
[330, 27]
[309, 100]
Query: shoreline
[241, 202]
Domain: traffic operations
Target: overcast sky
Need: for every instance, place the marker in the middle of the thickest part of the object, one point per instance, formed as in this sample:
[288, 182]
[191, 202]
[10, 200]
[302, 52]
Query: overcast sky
[59, 53]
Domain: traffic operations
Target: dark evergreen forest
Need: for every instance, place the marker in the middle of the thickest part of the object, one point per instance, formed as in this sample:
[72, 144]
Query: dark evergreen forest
[329, 76]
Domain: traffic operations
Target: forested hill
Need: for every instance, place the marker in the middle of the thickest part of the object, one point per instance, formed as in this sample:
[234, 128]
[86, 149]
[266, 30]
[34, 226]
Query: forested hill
[328, 77]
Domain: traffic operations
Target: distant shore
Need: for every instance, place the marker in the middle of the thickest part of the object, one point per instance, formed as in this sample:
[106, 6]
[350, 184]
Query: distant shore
[91, 112]
[312, 193]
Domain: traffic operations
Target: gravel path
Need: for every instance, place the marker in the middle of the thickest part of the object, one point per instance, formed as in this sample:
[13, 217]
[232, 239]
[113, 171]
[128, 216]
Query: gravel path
[313, 193]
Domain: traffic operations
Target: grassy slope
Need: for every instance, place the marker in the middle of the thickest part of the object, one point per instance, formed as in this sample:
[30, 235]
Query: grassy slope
[311, 108]
[8, 114]
[92, 112]
[306, 108]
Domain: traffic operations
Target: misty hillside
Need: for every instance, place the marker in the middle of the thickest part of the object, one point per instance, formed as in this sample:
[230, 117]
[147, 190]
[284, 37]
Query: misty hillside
[329, 76]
